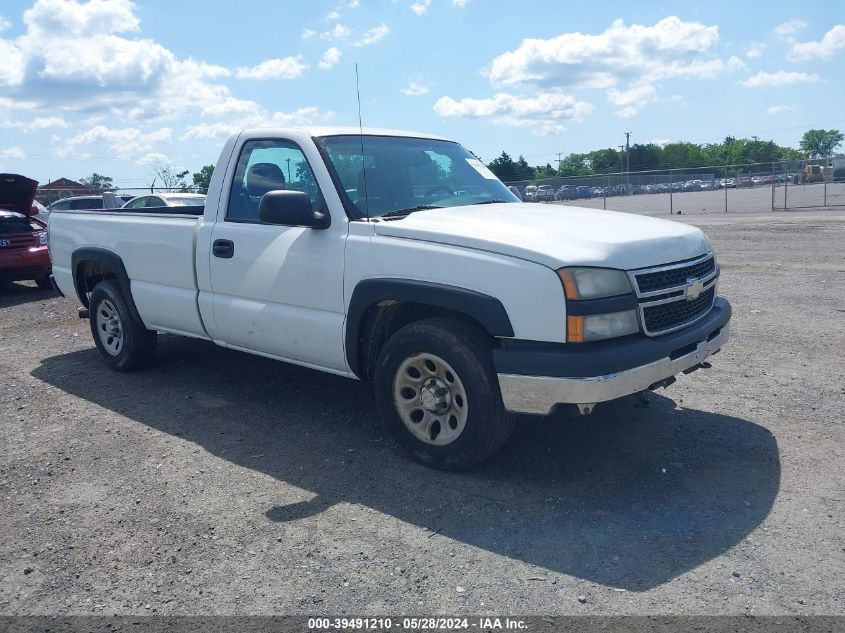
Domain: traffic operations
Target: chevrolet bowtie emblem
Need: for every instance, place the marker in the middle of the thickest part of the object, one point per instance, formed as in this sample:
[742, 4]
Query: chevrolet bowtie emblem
[694, 289]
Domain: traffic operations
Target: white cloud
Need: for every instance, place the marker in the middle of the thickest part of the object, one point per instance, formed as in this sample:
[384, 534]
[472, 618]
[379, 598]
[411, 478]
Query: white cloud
[825, 49]
[278, 68]
[302, 116]
[333, 15]
[782, 109]
[307, 34]
[330, 58]
[38, 123]
[420, 7]
[123, 142]
[670, 48]
[153, 158]
[544, 112]
[373, 35]
[87, 57]
[4, 23]
[460, 3]
[779, 78]
[353, 4]
[790, 27]
[12, 152]
[659, 141]
[632, 100]
[415, 89]
[754, 50]
[339, 32]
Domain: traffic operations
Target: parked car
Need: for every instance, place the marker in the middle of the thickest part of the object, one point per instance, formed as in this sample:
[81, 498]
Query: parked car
[744, 181]
[767, 180]
[530, 193]
[583, 191]
[544, 193]
[566, 192]
[461, 314]
[166, 200]
[23, 237]
[757, 180]
[107, 200]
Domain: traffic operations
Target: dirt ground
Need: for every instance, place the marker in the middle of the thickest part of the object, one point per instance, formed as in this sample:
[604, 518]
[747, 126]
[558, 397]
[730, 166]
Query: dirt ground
[218, 482]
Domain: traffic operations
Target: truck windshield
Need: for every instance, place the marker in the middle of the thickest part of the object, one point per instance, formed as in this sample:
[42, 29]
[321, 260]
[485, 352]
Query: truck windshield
[394, 174]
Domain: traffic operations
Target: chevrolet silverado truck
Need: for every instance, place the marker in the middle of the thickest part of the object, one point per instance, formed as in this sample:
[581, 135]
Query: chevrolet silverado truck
[400, 259]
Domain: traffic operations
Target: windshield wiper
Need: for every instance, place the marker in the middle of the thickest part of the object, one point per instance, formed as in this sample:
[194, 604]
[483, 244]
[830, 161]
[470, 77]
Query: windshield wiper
[493, 201]
[403, 212]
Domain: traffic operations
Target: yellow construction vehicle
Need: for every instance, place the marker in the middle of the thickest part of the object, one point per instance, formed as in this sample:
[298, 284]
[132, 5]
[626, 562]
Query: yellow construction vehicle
[813, 173]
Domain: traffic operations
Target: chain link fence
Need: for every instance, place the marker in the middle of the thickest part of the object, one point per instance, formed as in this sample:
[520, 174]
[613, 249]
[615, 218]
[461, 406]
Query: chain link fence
[87, 198]
[777, 186]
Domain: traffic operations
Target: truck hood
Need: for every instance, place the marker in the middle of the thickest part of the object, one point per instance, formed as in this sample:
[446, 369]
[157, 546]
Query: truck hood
[17, 193]
[555, 235]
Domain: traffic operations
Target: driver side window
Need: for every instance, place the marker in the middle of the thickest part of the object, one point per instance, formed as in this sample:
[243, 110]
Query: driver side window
[268, 165]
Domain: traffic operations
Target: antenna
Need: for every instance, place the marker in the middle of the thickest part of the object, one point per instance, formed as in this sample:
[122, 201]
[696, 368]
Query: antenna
[361, 134]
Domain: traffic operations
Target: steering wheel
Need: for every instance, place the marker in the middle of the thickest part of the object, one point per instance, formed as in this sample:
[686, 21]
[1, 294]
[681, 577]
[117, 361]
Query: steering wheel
[437, 188]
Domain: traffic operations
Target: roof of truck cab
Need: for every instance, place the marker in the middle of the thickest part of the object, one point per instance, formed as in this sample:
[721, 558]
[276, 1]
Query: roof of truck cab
[330, 130]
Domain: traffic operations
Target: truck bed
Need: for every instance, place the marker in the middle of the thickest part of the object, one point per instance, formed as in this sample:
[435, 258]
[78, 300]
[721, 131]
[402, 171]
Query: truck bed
[158, 248]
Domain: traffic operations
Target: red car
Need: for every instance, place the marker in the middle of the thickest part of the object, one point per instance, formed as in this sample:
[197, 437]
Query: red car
[23, 237]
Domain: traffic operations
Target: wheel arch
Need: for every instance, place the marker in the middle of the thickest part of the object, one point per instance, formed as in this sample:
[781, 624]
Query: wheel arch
[92, 264]
[379, 307]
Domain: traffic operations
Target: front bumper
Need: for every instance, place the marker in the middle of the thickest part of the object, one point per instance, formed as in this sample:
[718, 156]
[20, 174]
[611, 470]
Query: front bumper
[24, 263]
[533, 378]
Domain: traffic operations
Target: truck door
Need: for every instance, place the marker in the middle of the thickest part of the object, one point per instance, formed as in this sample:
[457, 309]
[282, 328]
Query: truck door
[277, 290]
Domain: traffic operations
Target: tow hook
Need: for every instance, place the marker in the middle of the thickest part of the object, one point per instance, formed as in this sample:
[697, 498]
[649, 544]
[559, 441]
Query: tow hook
[586, 408]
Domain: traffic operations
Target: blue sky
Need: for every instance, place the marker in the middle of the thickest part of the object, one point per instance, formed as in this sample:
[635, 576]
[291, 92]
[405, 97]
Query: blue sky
[115, 86]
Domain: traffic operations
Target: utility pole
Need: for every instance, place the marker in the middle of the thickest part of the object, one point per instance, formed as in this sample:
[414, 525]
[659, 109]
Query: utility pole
[288, 161]
[627, 161]
[559, 160]
[621, 164]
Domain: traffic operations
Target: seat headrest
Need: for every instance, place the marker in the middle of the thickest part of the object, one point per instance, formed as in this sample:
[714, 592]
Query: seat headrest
[264, 177]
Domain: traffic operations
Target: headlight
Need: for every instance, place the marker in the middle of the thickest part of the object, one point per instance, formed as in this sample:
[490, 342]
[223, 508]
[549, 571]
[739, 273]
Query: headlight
[42, 238]
[583, 329]
[593, 283]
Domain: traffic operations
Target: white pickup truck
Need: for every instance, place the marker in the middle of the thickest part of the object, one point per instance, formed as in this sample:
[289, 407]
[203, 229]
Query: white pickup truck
[400, 259]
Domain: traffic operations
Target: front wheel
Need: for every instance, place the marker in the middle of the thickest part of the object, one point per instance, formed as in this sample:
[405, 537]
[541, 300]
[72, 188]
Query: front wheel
[122, 340]
[438, 394]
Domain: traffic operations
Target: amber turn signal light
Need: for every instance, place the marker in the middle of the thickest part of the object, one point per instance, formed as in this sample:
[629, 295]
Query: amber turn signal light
[575, 329]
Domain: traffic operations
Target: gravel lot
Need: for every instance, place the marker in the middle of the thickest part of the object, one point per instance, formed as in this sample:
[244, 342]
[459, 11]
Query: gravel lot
[218, 482]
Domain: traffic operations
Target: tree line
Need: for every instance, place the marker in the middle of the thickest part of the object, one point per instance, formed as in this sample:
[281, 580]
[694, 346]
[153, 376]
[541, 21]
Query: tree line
[641, 157]
[678, 155]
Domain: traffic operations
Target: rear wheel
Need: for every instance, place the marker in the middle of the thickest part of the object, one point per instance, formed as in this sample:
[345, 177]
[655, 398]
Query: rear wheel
[438, 394]
[123, 341]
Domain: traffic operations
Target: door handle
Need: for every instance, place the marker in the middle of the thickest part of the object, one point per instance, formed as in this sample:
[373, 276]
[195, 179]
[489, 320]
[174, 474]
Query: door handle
[223, 248]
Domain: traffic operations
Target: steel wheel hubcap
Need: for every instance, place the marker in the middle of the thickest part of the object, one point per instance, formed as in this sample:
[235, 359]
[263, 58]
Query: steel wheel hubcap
[430, 399]
[109, 327]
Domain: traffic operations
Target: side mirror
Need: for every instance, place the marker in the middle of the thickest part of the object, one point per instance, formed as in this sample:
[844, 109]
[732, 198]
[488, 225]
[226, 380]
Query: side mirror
[290, 208]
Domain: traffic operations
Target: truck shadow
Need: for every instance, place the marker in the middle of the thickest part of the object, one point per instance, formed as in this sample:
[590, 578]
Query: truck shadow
[627, 497]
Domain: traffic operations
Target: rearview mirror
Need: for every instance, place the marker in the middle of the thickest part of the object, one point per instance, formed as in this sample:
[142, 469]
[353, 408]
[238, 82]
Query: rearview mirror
[290, 208]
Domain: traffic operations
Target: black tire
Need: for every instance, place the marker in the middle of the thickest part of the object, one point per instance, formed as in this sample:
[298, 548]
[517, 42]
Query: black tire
[44, 282]
[138, 344]
[466, 349]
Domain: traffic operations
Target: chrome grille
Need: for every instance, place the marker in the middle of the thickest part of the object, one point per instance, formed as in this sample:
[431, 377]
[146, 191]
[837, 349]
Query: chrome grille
[673, 277]
[675, 295]
[666, 316]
